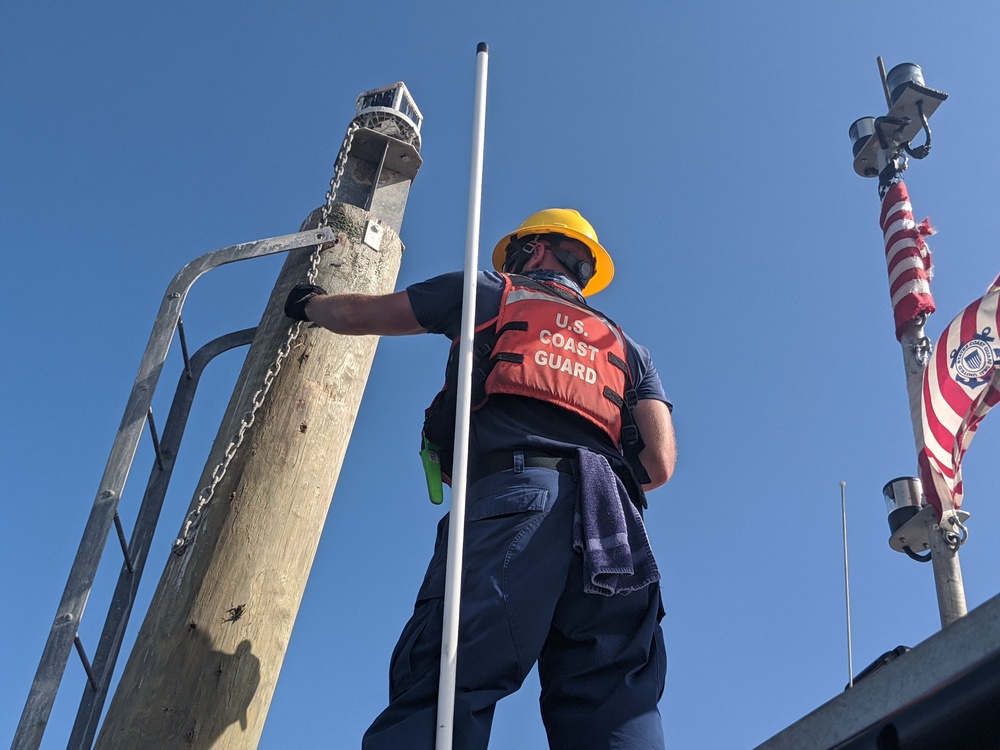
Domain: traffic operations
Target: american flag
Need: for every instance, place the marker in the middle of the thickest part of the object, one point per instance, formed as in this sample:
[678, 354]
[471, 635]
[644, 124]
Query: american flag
[961, 384]
[907, 258]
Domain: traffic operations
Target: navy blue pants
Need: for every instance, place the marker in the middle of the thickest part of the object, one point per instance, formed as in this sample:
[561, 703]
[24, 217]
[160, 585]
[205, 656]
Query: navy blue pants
[601, 660]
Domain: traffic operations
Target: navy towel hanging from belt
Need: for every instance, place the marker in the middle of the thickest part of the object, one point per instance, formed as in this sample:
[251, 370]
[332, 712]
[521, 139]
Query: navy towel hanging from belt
[609, 531]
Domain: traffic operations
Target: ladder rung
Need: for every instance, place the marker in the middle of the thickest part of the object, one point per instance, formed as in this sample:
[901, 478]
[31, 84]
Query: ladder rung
[86, 662]
[123, 543]
[184, 346]
[156, 438]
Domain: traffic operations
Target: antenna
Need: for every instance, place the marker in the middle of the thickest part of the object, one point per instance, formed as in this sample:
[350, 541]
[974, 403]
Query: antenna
[885, 82]
[447, 681]
[847, 586]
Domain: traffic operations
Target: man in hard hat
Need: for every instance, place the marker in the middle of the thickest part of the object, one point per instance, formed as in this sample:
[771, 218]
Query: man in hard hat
[570, 426]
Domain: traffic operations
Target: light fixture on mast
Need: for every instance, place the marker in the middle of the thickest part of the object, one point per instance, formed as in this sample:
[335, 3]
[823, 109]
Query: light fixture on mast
[384, 144]
[903, 501]
[910, 518]
[390, 111]
[877, 141]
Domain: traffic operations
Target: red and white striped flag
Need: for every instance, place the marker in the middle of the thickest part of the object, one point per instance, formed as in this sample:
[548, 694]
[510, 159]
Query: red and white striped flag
[961, 384]
[907, 258]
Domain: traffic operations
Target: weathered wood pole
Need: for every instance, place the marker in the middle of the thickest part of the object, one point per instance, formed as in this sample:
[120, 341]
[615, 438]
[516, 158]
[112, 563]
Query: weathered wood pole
[207, 657]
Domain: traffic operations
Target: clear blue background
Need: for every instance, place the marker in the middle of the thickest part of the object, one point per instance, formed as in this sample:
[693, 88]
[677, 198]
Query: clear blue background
[708, 145]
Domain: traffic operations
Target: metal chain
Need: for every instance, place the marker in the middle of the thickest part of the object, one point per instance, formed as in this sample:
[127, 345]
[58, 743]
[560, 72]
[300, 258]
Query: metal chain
[193, 520]
[331, 194]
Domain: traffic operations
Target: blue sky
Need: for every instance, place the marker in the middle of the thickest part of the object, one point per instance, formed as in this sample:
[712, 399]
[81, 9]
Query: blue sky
[708, 145]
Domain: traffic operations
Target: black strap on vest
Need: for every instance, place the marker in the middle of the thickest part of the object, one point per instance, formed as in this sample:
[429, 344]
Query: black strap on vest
[618, 362]
[514, 325]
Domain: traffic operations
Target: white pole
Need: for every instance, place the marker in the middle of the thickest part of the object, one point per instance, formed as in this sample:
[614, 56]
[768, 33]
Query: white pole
[456, 531]
[947, 568]
[847, 587]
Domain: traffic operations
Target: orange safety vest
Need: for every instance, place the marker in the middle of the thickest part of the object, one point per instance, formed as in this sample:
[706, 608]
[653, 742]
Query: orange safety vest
[552, 347]
[547, 344]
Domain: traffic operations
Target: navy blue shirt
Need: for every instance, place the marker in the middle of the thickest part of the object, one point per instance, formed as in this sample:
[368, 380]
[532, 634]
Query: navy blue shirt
[508, 422]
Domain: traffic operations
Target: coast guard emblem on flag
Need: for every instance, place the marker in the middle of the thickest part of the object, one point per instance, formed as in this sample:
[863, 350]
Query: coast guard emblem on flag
[973, 361]
[961, 384]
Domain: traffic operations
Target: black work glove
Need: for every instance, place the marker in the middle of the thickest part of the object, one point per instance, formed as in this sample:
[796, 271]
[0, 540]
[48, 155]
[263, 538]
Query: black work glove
[295, 305]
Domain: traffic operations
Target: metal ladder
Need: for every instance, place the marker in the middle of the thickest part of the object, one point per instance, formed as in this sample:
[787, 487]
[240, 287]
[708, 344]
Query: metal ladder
[64, 635]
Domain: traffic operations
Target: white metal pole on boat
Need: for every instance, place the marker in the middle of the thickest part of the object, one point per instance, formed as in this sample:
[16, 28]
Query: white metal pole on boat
[916, 353]
[847, 586]
[459, 480]
[947, 568]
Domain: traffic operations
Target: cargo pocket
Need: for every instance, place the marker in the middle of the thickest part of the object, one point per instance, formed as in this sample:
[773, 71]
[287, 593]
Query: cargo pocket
[418, 651]
[503, 577]
[510, 501]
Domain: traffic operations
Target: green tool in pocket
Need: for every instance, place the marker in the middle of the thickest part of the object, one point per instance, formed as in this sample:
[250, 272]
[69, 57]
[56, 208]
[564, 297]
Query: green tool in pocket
[430, 455]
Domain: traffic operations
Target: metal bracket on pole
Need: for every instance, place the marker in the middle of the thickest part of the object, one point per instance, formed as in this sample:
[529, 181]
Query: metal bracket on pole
[915, 534]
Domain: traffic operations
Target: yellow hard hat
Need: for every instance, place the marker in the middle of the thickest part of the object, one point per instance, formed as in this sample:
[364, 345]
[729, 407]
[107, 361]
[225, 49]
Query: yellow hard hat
[568, 222]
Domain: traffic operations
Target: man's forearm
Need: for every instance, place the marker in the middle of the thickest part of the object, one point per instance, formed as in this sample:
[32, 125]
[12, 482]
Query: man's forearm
[364, 314]
[660, 454]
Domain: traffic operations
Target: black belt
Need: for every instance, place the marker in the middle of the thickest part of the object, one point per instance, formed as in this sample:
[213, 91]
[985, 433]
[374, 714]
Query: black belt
[491, 463]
